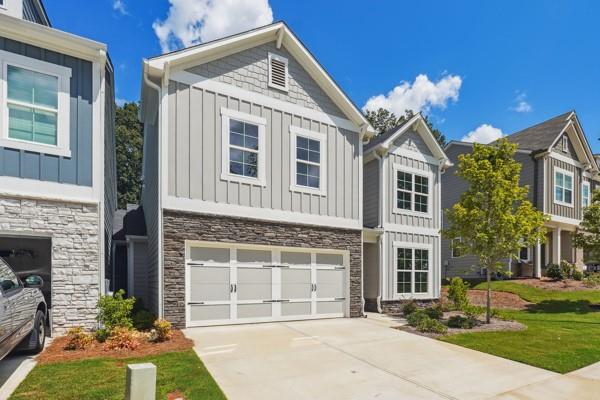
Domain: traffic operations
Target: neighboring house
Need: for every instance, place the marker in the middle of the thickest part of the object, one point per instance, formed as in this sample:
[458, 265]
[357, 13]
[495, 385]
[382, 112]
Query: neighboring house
[402, 216]
[57, 163]
[561, 172]
[252, 183]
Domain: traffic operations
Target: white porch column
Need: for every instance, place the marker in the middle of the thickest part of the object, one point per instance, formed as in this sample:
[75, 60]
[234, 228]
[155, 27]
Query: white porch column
[538, 260]
[556, 257]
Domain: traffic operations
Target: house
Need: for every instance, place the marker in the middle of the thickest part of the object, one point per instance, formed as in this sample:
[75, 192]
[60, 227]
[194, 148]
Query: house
[252, 183]
[402, 216]
[57, 162]
[561, 172]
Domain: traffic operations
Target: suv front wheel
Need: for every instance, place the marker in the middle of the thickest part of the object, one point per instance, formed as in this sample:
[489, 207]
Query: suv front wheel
[34, 342]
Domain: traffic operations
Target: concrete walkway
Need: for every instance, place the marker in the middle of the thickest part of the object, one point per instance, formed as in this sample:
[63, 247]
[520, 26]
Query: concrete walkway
[364, 359]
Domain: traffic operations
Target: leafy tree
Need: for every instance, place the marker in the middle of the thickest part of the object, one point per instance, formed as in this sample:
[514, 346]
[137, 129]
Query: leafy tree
[493, 217]
[383, 120]
[588, 238]
[129, 144]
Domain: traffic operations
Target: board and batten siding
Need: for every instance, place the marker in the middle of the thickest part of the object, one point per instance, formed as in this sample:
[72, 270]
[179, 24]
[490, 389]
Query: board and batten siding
[371, 193]
[558, 209]
[77, 169]
[195, 148]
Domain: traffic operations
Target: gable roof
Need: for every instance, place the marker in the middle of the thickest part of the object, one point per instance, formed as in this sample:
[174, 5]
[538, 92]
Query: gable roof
[278, 32]
[129, 222]
[540, 137]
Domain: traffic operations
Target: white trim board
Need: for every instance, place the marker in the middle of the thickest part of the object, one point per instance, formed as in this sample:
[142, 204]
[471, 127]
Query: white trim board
[413, 230]
[45, 190]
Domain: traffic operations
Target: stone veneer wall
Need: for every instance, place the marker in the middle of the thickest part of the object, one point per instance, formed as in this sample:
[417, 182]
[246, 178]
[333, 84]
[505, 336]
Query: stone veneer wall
[181, 226]
[74, 231]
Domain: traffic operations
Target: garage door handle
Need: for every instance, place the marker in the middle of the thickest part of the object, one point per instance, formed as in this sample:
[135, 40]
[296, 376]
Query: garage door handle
[194, 264]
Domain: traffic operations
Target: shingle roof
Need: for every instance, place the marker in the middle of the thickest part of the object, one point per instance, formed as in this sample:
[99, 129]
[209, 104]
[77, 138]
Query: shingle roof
[382, 137]
[129, 222]
[541, 136]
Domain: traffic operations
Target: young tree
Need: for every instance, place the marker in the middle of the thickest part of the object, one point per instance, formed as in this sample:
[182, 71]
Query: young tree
[129, 144]
[493, 217]
[383, 120]
[588, 238]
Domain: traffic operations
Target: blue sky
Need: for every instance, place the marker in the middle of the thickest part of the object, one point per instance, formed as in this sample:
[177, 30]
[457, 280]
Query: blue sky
[494, 65]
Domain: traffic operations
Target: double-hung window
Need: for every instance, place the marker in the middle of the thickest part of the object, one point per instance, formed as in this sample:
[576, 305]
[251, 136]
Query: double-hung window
[308, 161]
[35, 98]
[563, 187]
[412, 191]
[412, 270]
[585, 194]
[243, 156]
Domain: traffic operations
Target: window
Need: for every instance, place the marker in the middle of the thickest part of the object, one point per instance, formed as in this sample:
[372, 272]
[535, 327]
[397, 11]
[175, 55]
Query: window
[585, 194]
[278, 72]
[308, 155]
[243, 147]
[35, 105]
[412, 270]
[8, 279]
[563, 187]
[565, 143]
[524, 254]
[456, 252]
[412, 191]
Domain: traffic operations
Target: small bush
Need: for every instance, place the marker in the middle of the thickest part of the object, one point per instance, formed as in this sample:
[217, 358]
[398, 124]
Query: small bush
[414, 318]
[457, 293]
[122, 338]
[592, 280]
[554, 271]
[102, 334]
[162, 331]
[115, 311]
[434, 312]
[432, 326]
[567, 269]
[409, 308]
[78, 339]
[458, 321]
[473, 312]
[143, 320]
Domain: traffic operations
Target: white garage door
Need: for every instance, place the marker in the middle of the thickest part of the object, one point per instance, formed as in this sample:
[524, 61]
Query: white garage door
[232, 285]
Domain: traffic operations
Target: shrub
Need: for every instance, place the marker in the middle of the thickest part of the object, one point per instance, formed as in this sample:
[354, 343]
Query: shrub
[409, 308]
[78, 339]
[122, 338]
[102, 334]
[567, 269]
[162, 331]
[554, 271]
[457, 293]
[143, 320]
[432, 326]
[577, 275]
[414, 318]
[592, 280]
[115, 311]
[473, 312]
[458, 321]
[434, 312]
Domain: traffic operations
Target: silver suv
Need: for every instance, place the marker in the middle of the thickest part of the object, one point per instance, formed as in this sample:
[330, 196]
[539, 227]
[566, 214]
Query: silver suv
[22, 312]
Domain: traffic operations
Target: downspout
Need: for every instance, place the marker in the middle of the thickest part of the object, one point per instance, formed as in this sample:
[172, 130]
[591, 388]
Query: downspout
[380, 224]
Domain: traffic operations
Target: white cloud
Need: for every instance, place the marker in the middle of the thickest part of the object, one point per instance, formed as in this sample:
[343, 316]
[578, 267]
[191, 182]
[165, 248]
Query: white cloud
[420, 95]
[119, 5]
[484, 133]
[191, 22]
[121, 102]
[522, 105]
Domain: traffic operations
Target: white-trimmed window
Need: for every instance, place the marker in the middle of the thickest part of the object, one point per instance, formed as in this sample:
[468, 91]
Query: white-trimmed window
[278, 72]
[585, 194]
[565, 143]
[455, 251]
[412, 191]
[34, 97]
[412, 270]
[524, 254]
[308, 155]
[243, 147]
[563, 187]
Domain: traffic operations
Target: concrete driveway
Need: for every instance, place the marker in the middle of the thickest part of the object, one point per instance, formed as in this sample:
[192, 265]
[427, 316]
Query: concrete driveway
[366, 359]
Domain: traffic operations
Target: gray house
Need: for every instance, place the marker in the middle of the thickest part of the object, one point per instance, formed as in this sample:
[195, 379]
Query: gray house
[57, 164]
[561, 172]
[252, 183]
[402, 216]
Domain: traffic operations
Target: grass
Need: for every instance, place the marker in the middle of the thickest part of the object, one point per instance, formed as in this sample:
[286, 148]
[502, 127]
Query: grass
[104, 378]
[562, 335]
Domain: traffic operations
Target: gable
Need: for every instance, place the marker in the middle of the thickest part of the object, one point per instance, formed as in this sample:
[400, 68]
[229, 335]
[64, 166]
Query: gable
[577, 148]
[412, 141]
[248, 69]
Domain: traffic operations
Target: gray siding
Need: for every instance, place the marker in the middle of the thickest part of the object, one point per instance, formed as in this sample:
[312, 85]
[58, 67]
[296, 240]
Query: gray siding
[557, 209]
[248, 69]
[371, 193]
[371, 262]
[77, 169]
[194, 157]
[32, 13]
[110, 165]
[140, 265]
[414, 142]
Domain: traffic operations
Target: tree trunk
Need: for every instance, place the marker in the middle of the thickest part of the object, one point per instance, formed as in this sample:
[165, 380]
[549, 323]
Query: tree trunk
[488, 311]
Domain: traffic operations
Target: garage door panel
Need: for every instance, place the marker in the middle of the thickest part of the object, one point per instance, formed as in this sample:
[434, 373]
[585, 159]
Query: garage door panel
[330, 259]
[254, 283]
[296, 309]
[255, 310]
[254, 256]
[296, 284]
[209, 284]
[209, 254]
[330, 307]
[209, 312]
[330, 283]
[295, 258]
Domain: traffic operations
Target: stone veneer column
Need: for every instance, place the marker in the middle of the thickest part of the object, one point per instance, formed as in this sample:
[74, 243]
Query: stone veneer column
[181, 226]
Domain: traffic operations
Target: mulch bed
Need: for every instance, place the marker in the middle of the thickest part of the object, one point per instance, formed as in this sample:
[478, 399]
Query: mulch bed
[550, 284]
[499, 299]
[55, 351]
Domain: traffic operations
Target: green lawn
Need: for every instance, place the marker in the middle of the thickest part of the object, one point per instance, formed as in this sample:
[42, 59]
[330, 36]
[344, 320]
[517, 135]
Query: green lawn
[104, 378]
[562, 335]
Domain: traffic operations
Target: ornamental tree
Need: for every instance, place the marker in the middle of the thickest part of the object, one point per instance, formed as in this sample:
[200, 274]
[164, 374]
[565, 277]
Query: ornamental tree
[493, 217]
[588, 238]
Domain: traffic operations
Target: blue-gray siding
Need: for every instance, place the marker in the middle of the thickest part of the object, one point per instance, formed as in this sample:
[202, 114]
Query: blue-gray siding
[32, 13]
[77, 169]
[371, 193]
[110, 164]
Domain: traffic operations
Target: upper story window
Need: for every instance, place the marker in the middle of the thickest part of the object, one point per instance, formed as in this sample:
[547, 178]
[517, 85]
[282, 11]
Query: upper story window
[585, 194]
[456, 251]
[308, 161]
[243, 155]
[412, 270]
[34, 97]
[278, 72]
[412, 192]
[563, 187]
[565, 143]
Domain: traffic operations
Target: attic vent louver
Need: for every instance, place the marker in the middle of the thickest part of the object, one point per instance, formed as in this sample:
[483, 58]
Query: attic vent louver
[278, 72]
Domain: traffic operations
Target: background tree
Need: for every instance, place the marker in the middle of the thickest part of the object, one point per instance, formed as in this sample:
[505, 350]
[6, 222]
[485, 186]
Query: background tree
[493, 217]
[588, 238]
[383, 120]
[129, 144]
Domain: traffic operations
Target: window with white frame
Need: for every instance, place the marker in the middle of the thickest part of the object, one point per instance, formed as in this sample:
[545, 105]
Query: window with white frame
[34, 97]
[308, 161]
[585, 194]
[524, 254]
[412, 270]
[243, 157]
[412, 191]
[563, 187]
[455, 250]
[565, 143]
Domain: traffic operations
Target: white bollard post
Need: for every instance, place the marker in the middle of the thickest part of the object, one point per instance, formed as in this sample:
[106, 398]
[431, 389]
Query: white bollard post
[141, 382]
